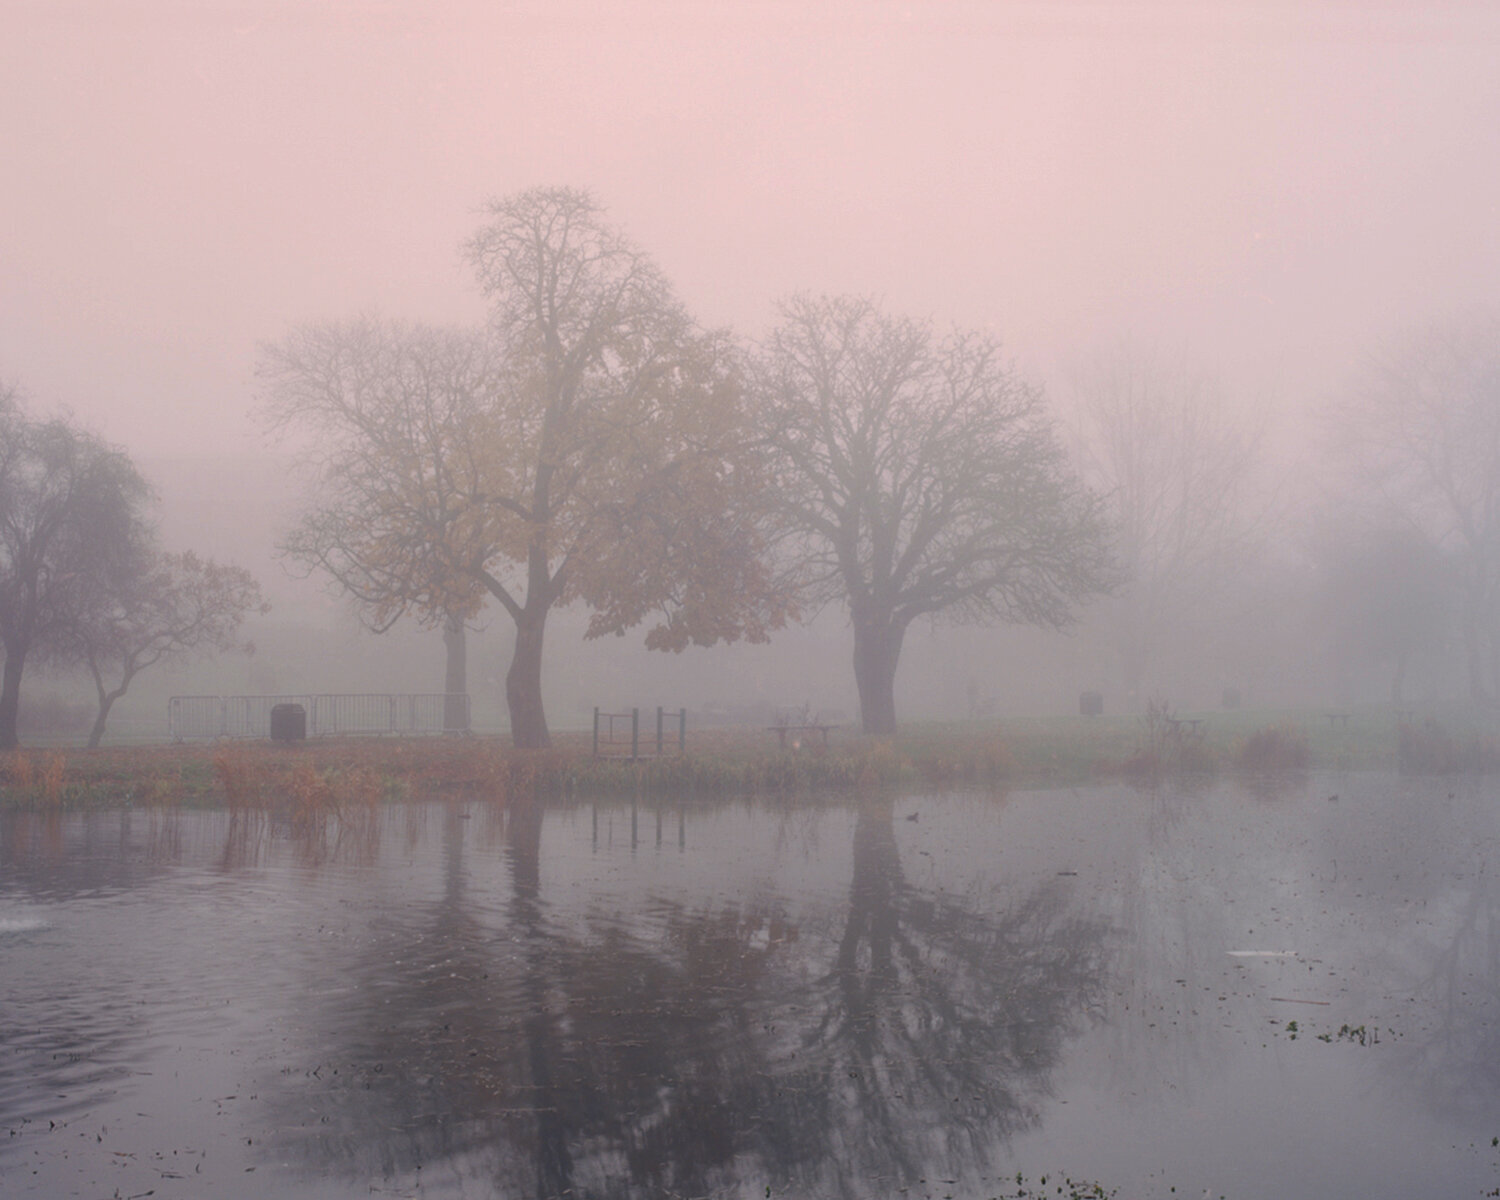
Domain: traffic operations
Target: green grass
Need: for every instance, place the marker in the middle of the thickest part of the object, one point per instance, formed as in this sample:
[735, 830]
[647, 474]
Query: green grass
[1010, 752]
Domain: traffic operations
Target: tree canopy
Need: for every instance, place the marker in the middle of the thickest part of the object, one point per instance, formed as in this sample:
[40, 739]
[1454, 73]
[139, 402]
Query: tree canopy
[590, 444]
[72, 529]
[170, 605]
[917, 475]
[391, 413]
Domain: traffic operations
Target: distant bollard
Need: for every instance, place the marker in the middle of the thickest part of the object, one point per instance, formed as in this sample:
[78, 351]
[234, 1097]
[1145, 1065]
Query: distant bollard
[288, 723]
[1091, 704]
[1232, 697]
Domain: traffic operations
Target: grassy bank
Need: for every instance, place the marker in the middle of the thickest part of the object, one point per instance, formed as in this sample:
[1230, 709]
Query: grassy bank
[1019, 752]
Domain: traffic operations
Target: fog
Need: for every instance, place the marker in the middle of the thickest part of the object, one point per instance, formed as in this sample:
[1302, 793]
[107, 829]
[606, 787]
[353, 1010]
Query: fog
[1271, 191]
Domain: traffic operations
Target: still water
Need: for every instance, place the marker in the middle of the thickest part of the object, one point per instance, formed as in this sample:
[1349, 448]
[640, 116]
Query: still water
[912, 996]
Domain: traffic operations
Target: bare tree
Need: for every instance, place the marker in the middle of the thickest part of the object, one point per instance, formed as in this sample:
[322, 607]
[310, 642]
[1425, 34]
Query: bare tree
[918, 476]
[71, 527]
[176, 604]
[590, 446]
[1421, 431]
[1176, 468]
[622, 476]
[391, 412]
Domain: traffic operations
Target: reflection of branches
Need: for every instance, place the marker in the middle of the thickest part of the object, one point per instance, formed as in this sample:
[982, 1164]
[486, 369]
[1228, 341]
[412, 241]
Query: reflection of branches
[1461, 1054]
[940, 1024]
[689, 1052]
[546, 1062]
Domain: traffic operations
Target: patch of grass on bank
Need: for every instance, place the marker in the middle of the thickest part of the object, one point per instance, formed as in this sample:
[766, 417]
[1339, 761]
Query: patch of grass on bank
[332, 773]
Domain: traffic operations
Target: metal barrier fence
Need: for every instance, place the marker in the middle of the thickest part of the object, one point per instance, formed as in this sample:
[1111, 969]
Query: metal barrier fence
[620, 733]
[327, 714]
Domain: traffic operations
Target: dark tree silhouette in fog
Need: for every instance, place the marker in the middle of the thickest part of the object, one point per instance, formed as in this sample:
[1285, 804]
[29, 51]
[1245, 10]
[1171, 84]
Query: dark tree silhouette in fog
[620, 470]
[71, 532]
[171, 605]
[918, 476]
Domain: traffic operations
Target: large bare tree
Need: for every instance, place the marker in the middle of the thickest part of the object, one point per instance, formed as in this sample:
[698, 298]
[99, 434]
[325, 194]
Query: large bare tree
[71, 531]
[622, 474]
[918, 476]
[1177, 466]
[591, 445]
[389, 413]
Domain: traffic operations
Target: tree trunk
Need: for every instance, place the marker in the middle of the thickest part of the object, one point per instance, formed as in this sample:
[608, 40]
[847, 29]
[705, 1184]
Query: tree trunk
[456, 676]
[877, 647]
[523, 683]
[96, 734]
[10, 699]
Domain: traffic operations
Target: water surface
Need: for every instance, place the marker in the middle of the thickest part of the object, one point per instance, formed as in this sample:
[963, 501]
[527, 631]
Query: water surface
[914, 995]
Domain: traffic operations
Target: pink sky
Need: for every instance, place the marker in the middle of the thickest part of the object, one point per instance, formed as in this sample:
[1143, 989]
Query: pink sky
[1272, 186]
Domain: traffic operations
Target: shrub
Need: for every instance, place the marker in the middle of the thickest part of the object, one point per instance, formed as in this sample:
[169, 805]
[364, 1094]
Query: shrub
[1275, 748]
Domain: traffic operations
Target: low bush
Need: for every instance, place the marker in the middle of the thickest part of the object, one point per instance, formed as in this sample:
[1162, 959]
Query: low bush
[1275, 748]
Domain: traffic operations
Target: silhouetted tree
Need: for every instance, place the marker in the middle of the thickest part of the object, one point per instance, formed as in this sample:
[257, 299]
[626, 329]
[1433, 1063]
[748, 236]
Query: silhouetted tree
[71, 531]
[391, 411]
[172, 605]
[622, 474]
[591, 446]
[918, 476]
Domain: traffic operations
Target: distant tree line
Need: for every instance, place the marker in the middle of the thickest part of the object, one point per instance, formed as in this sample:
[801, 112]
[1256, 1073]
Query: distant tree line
[591, 444]
[1419, 438]
[83, 580]
[1378, 552]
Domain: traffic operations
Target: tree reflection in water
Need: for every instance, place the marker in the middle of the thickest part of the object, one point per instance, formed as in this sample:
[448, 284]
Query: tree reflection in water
[1454, 1047]
[705, 1050]
[939, 1023]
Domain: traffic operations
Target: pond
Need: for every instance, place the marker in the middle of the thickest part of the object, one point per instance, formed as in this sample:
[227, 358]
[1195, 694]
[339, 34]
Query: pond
[1236, 990]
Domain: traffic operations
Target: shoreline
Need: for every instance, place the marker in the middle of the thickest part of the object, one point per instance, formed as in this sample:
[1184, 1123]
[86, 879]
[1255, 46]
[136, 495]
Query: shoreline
[741, 760]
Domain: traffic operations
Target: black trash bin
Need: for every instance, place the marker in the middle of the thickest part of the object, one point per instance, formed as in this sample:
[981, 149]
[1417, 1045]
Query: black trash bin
[288, 723]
